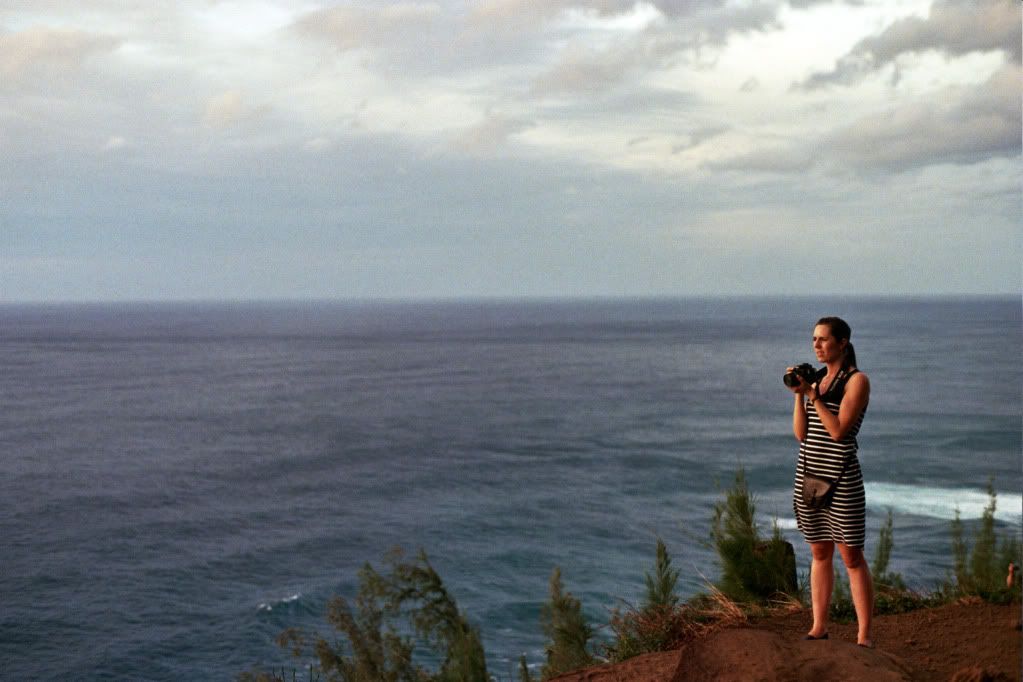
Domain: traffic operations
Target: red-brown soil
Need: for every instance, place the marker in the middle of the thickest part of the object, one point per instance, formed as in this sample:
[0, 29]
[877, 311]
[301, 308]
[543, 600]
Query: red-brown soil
[965, 642]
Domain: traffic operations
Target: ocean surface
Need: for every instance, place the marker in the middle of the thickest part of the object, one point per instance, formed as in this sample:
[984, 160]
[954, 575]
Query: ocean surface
[181, 482]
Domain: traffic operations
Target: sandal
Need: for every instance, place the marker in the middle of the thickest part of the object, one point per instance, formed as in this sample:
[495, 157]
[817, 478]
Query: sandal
[812, 638]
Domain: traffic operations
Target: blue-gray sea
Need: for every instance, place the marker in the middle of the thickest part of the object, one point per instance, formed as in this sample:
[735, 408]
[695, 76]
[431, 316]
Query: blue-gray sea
[181, 482]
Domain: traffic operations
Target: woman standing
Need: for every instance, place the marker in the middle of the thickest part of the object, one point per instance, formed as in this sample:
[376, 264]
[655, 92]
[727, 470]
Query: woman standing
[826, 417]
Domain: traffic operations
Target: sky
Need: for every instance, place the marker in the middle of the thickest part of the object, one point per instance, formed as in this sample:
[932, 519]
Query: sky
[292, 149]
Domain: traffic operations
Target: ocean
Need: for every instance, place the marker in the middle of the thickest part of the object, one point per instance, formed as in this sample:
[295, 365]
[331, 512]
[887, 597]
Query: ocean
[181, 482]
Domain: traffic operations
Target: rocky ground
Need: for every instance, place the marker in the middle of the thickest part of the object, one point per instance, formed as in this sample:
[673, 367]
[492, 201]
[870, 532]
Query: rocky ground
[964, 642]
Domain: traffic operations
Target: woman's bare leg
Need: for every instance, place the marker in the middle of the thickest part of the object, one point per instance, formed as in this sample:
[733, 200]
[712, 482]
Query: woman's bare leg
[861, 586]
[822, 582]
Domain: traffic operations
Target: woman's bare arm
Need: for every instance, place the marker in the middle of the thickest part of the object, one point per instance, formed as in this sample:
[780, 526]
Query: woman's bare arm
[799, 423]
[799, 418]
[857, 393]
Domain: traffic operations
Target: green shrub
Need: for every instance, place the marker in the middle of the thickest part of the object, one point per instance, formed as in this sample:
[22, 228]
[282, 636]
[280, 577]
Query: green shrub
[983, 571]
[752, 569]
[562, 621]
[411, 596]
[659, 624]
[274, 676]
[524, 675]
[660, 587]
[841, 607]
[882, 555]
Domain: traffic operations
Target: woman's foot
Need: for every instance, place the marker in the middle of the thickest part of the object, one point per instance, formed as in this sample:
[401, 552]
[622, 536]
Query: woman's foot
[866, 644]
[812, 637]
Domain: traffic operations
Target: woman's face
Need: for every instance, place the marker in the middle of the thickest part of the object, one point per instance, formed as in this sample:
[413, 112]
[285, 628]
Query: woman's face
[826, 346]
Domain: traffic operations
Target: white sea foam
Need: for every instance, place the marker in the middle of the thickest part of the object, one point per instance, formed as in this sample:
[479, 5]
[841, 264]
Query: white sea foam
[941, 503]
[787, 524]
[269, 606]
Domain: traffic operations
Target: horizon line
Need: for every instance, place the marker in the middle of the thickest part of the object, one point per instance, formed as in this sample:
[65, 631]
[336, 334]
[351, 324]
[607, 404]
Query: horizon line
[508, 298]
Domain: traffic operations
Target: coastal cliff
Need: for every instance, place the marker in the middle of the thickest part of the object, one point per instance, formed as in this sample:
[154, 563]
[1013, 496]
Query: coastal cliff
[967, 641]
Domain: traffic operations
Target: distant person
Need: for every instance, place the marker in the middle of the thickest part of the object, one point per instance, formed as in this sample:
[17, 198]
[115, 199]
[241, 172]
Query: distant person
[831, 508]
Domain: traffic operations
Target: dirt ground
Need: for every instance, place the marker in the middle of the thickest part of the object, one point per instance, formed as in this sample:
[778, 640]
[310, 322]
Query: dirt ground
[965, 642]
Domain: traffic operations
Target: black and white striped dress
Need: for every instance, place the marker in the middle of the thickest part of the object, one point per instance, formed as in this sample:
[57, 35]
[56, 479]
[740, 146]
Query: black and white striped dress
[844, 521]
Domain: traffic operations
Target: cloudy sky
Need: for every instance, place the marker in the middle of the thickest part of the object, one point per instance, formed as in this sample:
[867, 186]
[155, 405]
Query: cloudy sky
[250, 149]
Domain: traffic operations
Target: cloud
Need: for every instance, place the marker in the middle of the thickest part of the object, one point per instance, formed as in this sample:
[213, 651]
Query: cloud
[592, 64]
[698, 136]
[750, 84]
[712, 18]
[113, 143]
[776, 159]
[490, 133]
[519, 15]
[805, 4]
[318, 144]
[953, 27]
[352, 27]
[581, 70]
[980, 123]
[224, 110]
[958, 125]
[45, 47]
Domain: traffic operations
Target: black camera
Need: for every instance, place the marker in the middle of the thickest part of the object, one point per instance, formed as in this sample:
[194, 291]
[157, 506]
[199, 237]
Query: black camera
[805, 371]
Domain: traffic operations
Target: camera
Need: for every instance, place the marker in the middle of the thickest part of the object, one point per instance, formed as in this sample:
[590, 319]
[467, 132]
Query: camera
[805, 371]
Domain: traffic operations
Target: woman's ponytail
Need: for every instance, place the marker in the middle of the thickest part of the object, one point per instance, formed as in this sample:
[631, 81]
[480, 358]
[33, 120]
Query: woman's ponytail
[850, 356]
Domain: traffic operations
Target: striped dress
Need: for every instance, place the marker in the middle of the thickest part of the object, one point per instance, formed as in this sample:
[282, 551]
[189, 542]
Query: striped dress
[844, 521]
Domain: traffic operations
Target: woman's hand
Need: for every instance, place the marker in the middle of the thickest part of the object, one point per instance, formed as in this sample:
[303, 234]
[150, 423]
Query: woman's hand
[803, 389]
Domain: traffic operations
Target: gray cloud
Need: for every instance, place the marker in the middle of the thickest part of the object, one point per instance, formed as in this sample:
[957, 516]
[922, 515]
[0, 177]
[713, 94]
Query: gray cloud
[351, 27]
[43, 47]
[715, 23]
[490, 133]
[112, 186]
[713, 18]
[959, 125]
[781, 159]
[415, 39]
[981, 123]
[224, 109]
[698, 136]
[953, 27]
[583, 70]
[805, 4]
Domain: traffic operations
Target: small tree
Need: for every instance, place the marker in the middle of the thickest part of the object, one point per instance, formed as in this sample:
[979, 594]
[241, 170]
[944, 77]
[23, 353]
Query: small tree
[882, 555]
[982, 561]
[660, 587]
[562, 621]
[751, 569]
[524, 675]
[659, 624]
[983, 571]
[411, 596]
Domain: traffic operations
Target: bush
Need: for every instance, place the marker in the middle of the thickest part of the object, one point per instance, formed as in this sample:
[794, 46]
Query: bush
[659, 624]
[411, 596]
[983, 571]
[879, 568]
[562, 621]
[752, 569]
[524, 675]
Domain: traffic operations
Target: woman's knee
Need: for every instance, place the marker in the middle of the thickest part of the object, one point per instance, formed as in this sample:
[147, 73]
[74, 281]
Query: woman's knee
[822, 551]
[852, 557]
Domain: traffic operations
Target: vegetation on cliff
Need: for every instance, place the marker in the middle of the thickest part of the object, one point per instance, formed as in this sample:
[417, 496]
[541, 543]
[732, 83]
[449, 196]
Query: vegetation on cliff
[407, 610]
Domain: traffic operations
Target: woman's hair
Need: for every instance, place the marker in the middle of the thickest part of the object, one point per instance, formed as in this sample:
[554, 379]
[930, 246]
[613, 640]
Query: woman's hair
[840, 330]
